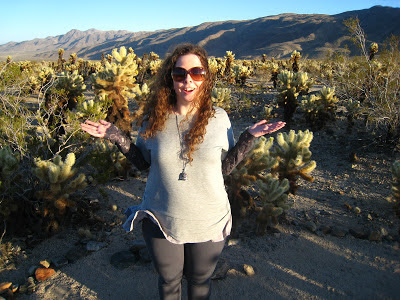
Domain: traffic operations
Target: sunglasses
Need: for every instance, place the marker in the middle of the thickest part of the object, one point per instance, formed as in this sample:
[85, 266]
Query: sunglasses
[179, 74]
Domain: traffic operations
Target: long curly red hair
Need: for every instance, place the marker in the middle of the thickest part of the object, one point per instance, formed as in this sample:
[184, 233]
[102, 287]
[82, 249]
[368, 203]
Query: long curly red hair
[162, 100]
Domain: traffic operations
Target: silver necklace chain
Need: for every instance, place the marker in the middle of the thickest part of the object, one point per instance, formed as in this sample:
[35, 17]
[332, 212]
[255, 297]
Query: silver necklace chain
[182, 175]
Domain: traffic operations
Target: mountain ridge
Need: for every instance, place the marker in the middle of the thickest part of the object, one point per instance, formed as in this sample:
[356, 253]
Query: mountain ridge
[278, 36]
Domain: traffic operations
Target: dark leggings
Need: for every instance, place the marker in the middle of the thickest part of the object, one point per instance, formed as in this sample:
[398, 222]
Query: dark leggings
[196, 261]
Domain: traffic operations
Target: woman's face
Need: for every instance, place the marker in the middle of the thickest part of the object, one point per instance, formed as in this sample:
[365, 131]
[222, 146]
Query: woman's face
[187, 89]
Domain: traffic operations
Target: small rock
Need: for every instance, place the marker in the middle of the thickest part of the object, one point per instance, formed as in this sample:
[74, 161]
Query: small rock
[93, 246]
[249, 270]
[5, 286]
[375, 236]
[123, 259]
[59, 261]
[357, 210]
[45, 263]
[339, 232]
[41, 274]
[384, 231]
[325, 213]
[84, 233]
[295, 223]
[310, 226]
[114, 207]
[30, 285]
[233, 242]
[358, 233]
[369, 217]
[325, 229]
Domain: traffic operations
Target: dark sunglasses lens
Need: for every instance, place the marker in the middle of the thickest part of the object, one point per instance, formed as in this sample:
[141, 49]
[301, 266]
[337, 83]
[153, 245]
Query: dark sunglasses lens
[197, 74]
[178, 74]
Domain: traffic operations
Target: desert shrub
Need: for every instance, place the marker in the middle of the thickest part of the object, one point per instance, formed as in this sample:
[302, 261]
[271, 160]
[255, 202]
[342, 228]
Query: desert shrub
[373, 80]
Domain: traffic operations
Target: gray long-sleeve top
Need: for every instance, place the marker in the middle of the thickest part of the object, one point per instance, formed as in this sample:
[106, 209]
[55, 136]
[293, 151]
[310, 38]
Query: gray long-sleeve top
[196, 210]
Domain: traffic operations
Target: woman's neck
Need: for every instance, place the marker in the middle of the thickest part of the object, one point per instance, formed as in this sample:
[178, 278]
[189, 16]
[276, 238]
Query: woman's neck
[184, 109]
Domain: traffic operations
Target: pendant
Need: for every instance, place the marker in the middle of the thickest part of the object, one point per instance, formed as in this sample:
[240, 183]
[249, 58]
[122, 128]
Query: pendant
[183, 176]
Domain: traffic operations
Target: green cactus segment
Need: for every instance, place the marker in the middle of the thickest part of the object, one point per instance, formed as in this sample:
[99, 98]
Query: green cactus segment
[117, 82]
[58, 176]
[294, 157]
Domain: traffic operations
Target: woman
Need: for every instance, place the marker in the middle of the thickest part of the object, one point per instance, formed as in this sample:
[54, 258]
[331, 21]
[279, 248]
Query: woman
[185, 210]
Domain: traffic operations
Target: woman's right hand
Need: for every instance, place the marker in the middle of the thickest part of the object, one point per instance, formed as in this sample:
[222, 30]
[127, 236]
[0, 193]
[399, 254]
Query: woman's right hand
[103, 129]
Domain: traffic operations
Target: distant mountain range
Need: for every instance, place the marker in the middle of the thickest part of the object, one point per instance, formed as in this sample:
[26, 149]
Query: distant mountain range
[278, 36]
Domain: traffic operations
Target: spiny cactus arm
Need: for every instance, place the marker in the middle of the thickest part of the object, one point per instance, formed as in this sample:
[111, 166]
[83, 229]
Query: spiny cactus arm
[236, 154]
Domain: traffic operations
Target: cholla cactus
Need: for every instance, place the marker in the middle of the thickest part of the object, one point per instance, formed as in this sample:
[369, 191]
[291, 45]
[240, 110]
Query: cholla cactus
[294, 157]
[274, 199]
[107, 161]
[58, 176]
[221, 97]
[373, 49]
[290, 85]
[241, 73]
[213, 66]
[353, 111]
[229, 58]
[268, 112]
[73, 85]
[320, 108]
[117, 82]
[247, 172]
[61, 60]
[295, 59]
[154, 66]
[92, 110]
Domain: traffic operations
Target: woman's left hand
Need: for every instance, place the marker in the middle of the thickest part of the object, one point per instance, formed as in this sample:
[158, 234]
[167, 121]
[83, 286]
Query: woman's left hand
[263, 127]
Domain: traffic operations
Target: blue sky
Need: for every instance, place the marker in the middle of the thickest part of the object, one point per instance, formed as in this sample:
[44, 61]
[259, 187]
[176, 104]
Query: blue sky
[23, 20]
